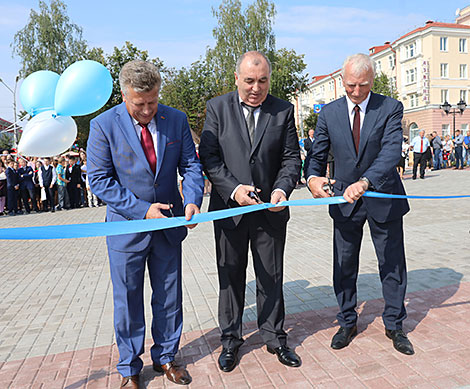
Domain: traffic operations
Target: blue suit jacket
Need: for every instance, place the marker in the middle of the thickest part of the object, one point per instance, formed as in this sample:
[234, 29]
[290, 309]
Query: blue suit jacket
[26, 177]
[13, 178]
[120, 174]
[379, 153]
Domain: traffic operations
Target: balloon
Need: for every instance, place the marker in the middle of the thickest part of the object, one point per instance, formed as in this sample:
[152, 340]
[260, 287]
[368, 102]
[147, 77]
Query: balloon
[83, 88]
[37, 92]
[46, 135]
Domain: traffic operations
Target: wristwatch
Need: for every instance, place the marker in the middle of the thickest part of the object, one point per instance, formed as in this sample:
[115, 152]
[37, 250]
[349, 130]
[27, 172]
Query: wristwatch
[366, 180]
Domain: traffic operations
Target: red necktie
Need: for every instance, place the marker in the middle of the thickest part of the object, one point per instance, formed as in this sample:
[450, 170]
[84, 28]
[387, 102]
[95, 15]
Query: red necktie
[421, 145]
[357, 127]
[146, 141]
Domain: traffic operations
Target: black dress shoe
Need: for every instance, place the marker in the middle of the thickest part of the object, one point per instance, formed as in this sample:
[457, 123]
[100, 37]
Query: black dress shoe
[343, 337]
[228, 359]
[400, 341]
[286, 356]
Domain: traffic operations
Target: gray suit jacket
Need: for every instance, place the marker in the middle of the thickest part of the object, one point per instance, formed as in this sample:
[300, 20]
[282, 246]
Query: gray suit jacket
[228, 158]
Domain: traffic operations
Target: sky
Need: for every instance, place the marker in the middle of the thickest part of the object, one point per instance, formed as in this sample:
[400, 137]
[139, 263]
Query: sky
[178, 32]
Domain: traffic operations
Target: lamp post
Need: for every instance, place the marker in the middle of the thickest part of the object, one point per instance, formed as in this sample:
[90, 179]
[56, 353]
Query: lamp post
[15, 128]
[447, 108]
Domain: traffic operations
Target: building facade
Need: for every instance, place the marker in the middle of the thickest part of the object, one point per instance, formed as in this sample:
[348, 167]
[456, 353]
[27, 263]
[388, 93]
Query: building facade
[426, 67]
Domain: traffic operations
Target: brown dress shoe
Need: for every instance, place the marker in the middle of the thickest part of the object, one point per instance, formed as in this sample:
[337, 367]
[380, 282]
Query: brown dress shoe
[175, 373]
[131, 382]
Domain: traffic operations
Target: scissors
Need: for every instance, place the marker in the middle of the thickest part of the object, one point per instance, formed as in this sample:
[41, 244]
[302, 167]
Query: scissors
[328, 188]
[171, 210]
[255, 196]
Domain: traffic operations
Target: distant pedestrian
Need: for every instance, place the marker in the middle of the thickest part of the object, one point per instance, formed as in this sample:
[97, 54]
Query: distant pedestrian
[447, 151]
[436, 145]
[405, 147]
[466, 149]
[27, 186]
[3, 188]
[63, 200]
[458, 150]
[13, 187]
[47, 179]
[419, 145]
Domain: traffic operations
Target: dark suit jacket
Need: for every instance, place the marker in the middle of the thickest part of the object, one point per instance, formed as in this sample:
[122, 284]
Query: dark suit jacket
[13, 178]
[379, 153]
[272, 162]
[74, 176]
[308, 144]
[26, 177]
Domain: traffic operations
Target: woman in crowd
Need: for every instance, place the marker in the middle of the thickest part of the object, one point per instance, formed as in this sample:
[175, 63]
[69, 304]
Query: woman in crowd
[3, 188]
[447, 151]
[37, 187]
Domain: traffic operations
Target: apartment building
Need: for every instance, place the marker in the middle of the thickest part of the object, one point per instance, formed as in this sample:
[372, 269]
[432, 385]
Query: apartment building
[427, 67]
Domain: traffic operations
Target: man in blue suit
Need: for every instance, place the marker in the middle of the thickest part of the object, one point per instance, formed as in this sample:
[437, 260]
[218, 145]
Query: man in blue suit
[364, 132]
[25, 174]
[134, 153]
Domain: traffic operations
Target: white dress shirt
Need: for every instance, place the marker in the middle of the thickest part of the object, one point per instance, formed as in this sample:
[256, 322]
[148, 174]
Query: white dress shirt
[362, 110]
[54, 174]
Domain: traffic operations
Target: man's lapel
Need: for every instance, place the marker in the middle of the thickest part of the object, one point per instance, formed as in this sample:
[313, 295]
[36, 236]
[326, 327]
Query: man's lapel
[126, 124]
[162, 135]
[237, 112]
[345, 125]
[372, 113]
[263, 120]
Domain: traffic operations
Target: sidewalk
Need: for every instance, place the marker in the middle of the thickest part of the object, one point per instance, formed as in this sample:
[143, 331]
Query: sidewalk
[56, 306]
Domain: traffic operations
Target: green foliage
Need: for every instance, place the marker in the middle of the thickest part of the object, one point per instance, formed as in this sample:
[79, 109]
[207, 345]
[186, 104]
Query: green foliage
[287, 74]
[383, 85]
[310, 122]
[6, 141]
[49, 41]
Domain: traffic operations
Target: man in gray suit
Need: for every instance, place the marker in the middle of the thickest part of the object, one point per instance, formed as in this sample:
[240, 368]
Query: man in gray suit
[250, 152]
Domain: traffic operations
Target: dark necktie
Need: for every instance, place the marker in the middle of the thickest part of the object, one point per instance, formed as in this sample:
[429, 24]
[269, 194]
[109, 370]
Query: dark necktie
[146, 141]
[250, 121]
[357, 127]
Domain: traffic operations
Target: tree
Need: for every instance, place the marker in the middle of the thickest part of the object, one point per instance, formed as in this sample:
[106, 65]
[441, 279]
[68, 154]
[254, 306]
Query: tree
[384, 86]
[310, 122]
[6, 141]
[49, 41]
[238, 32]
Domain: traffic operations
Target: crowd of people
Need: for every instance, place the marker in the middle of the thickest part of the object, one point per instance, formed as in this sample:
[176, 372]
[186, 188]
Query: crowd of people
[44, 184]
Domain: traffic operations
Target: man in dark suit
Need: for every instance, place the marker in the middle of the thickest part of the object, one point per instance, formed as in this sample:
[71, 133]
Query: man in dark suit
[364, 131]
[13, 186]
[73, 176]
[308, 142]
[135, 151]
[249, 148]
[25, 173]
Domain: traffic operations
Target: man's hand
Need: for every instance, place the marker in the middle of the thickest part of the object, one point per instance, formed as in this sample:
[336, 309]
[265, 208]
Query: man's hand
[242, 195]
[154, 212]
[276, 197]
[189, 211]
[354, 191]
[316, 184]
[52, 185]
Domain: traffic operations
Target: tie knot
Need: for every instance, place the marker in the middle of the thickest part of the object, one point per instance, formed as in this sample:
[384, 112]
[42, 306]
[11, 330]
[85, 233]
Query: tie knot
[357, 108]
[250, 107]
[143, 125]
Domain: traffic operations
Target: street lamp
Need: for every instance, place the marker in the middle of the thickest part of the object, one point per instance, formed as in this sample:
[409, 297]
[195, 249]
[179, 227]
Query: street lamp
[447, 108]
[15, 129]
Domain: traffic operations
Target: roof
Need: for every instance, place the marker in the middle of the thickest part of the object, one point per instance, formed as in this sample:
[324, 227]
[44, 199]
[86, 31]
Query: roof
[430, 24]
[377, 49]
[4, 124]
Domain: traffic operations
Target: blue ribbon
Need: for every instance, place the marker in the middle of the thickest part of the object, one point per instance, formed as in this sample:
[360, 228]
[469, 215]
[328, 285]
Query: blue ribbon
[88, 230]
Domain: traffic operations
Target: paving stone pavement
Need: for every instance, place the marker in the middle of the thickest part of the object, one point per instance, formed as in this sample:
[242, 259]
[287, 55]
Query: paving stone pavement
[56, 304]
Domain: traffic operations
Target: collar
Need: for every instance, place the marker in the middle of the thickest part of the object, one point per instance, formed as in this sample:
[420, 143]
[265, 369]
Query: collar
[362, 105]
[136, 123]
[241, 101]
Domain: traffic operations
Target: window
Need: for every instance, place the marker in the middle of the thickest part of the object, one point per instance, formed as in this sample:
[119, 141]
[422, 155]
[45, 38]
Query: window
[443, 43]
[444, 70]
[463, 95]
[414, 130]
[463, 71]
[322, 89]
[411, 76]
[331, 85]
[462, 45]
[379, 67]
[413, 101]
[444, 95]
[391, 61]
[445, 129]
[410, 50]
[340, 82]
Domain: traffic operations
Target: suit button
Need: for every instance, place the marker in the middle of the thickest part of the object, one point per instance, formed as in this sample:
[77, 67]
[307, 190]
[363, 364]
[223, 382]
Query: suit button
[358, 165]
[252, 161]
[155, 185]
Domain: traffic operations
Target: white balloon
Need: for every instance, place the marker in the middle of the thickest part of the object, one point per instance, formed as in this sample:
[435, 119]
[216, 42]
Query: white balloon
[46, 135]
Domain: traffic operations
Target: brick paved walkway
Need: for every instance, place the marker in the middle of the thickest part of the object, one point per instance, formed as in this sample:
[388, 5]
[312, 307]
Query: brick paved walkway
[56, 306]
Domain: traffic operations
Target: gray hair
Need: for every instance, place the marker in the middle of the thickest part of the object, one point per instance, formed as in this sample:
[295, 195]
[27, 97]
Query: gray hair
[255, 59]
[141, 76]
[359, 63]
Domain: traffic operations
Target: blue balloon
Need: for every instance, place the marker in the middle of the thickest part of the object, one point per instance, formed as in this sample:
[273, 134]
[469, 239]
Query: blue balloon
[37, 92]
[83, 88]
